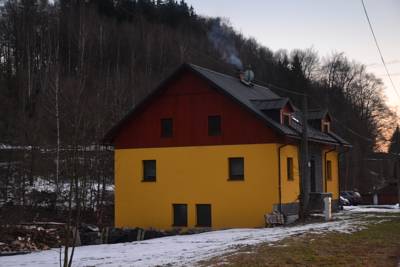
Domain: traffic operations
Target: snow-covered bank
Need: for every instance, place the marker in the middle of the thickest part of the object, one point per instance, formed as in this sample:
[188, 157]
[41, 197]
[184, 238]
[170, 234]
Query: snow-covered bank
[185, 250]
[373, 208]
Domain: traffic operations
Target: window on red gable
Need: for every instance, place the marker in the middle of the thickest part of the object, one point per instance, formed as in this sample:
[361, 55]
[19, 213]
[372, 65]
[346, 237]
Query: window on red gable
[214, 125]
[166, 127]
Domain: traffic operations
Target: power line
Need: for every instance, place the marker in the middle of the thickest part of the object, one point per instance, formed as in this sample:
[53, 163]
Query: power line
[354, 132]
[379, 49]
[268, 85]
[320, 107]
[315, 101]
[365, 138]
[392, 74]
[390, 62]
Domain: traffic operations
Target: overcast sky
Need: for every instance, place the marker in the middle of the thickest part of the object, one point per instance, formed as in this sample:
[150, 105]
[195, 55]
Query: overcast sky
[326, 25]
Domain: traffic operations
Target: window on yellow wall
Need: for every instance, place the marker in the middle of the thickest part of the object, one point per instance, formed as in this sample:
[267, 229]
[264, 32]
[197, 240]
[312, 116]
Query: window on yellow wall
[236, 169]
[203, 215]
[289, 169]
[329, 170]
[179, 215]
[149, 170]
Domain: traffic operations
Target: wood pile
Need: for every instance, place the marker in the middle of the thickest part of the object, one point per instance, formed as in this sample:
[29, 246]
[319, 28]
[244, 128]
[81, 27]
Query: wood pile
[29, 237]
[274, 219]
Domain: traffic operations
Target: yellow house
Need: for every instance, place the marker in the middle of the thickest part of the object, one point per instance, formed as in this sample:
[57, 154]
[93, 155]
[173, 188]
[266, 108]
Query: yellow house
[210, 150]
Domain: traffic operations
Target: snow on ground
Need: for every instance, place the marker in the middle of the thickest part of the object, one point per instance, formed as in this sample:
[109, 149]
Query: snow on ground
[373, 208]
[46, 185]
[186, 250]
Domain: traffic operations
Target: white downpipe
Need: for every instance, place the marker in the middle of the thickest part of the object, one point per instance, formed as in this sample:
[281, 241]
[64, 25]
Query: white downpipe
[328, 208]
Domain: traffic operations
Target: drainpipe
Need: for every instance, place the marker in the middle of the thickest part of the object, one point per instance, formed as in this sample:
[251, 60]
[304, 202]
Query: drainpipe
[280, 177]
[326, 169]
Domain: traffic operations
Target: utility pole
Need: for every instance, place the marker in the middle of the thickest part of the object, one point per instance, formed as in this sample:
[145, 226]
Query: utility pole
[305, 170]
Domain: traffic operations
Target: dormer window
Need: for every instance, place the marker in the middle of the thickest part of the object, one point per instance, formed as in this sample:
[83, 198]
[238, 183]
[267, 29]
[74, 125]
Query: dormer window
[286, 114]
[326, 126]
[286, 118]
[320, 120]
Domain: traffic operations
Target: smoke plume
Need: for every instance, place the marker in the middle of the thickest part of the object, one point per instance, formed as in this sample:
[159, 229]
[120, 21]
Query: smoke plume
[221, 36]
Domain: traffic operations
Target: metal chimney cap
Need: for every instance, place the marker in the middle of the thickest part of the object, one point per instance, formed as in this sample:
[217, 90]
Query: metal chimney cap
[247, 77]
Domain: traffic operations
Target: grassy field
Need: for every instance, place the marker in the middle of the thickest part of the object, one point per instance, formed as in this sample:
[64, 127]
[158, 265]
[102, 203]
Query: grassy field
[378, 245]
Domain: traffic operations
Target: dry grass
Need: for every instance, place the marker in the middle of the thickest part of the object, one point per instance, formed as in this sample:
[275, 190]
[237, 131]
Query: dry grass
[378, 245]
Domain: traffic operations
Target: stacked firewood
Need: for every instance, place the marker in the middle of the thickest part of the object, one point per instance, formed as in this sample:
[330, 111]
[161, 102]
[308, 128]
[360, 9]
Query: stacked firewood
[25, 238]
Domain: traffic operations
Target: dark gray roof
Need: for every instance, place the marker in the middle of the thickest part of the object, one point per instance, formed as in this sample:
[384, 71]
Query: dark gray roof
[317, 114]
[236, 88]
[259, 98]
[245, 95]
[255, 98]
[316, 135]
[268, 104]
[313, 134]
[340, 139]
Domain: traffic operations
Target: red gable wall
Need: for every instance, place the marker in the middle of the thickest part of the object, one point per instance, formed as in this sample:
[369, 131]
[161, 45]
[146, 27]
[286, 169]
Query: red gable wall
[287, 108]
[189, 100]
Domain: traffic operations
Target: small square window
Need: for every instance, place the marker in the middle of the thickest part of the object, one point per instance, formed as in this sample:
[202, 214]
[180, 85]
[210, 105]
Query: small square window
[236, 168]
[203, 215]
[289, 168]
[180, 215]
[214, 125]
[166, 127]
[329, 170]
[149, 170]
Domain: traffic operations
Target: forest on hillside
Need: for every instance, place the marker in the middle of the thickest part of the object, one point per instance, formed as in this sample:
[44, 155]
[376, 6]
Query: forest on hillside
[69, 70]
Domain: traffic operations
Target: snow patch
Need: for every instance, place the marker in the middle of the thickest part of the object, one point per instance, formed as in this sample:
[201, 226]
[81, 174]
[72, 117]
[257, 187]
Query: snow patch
[177, 250]
[373, 208]
[186, 250]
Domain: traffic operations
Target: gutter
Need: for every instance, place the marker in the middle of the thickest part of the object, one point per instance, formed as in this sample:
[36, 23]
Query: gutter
[326, 169]
[280, 177]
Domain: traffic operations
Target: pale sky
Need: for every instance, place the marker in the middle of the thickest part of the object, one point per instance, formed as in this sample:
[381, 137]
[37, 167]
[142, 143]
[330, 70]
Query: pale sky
[325, 25]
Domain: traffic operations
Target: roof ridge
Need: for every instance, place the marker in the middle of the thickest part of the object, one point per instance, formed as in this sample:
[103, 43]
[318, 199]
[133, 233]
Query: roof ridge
[227, 76]
[213, 71]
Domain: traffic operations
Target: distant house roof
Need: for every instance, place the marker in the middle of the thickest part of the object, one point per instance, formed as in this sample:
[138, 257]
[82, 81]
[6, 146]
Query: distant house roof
[255, 98]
